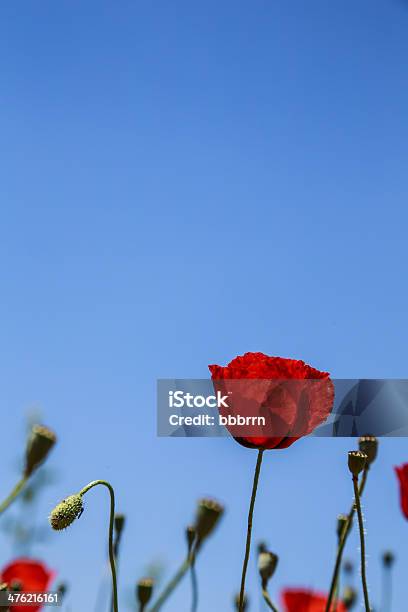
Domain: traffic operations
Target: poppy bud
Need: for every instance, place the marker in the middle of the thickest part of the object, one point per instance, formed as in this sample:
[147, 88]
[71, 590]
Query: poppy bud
[349, 597]
[356, 461]
[119, 522]
[40, 442]
[267, 563]
[342, 522]
[62, 588]
[209, 513]
[369, 446]
[144, 591]
[348, 567]
[190, 536]
[388, 558]
[66, 512]
[245, 603]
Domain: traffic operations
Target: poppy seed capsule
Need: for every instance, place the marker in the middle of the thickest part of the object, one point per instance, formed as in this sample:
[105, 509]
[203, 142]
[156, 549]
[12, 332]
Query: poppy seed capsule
[349, 597]
[369, 446]
[267, 563]
[39, 443]
[209, 512]
[144, 590]
[342, 522]
[119, 522]
[356, 461]
[66, 512]
[388, 558]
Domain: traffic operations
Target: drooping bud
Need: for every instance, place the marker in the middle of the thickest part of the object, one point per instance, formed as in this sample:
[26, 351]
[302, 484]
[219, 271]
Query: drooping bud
[144, 591]
[66, 512]
[209, 513]
[342, 524]
[349, 597]
[190, 537]
[40, 441]
[356, 462]
[245, 603]
[369, 446]
[267, 562]
[388, 558]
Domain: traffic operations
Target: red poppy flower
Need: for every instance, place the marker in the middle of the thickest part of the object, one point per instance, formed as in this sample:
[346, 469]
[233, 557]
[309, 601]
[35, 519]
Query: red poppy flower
[293, 398]
[303, 600]
[402, 473]
[33, 577]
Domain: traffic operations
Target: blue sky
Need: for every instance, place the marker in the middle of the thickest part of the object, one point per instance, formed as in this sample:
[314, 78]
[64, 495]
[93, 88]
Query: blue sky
[183, 182]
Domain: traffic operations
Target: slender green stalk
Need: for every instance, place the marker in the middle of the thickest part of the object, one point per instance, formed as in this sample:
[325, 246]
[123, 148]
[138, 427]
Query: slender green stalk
[194, 582]
[268, 600]
[362, 543]
[14, 494]
[178, 576]
[342, 543]
[386, 590]
[249, 529]
[111, 523]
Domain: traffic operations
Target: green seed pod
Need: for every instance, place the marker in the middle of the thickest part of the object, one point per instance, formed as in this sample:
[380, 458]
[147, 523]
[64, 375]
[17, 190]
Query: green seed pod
[66, 512]
[40, 441]
[209, 513]
[144, 590]
[119, 522]
[349, 597]
[267, 562]
[369, 446]
[388, 558]
[342, 522]
[356, 461]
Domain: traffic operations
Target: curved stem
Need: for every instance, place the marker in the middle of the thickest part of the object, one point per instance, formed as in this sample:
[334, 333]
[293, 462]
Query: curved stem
[268, 600]
[14, 494]
[111, 523]
[342, 543]
[362, 544]
[249, 529]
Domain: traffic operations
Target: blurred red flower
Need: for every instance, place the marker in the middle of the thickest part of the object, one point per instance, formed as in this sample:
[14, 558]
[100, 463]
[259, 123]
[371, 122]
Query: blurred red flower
[291, 409]
[402, 473]
[303, 600]
[33, 577]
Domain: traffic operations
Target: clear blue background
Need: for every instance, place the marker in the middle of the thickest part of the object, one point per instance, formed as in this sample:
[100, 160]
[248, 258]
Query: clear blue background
[182, 182]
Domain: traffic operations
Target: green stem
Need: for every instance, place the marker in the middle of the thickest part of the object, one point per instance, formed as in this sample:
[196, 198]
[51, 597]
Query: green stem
[194, 582]
[178, 576]
[342, 543]
[362, 543]
[268, 600]
[249, 530]
[14, 494]
[111, 523]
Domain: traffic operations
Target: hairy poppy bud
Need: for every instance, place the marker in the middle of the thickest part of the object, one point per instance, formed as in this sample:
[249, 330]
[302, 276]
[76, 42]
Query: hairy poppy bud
[342, 522]
[66, 512]
[40, 442]
[119, 522]
[267, 563]
[209, 513]
[190, 536]
[246, 603]
[369, 446]
[356, 461]
[349, 597]
[144, 591]
[388, 558]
